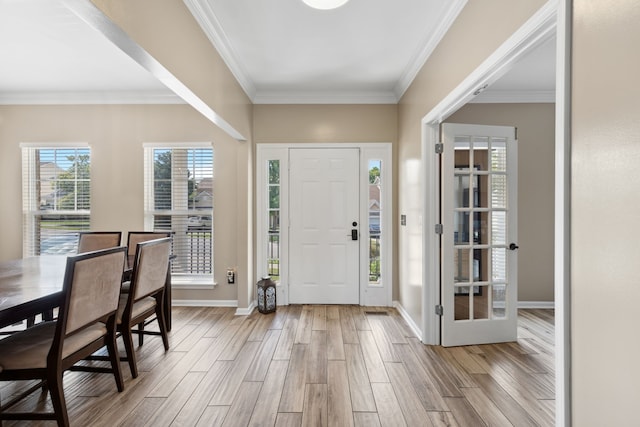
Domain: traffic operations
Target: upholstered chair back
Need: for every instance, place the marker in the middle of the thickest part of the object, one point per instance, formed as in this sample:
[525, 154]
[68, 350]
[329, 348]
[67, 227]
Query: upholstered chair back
[151, 264]
[135, 237]
[94, 241]
[95, 289]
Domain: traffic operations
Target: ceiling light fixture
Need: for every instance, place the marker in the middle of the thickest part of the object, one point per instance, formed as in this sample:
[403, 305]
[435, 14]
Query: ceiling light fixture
[324, 4]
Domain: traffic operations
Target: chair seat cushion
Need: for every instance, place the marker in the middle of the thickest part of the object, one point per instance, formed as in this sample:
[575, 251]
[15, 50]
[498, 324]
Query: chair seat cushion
[28, 349]
[139, 307]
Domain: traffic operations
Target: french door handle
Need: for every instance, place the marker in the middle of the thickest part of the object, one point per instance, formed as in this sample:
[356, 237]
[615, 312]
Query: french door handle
[513, 247]
[354, 234]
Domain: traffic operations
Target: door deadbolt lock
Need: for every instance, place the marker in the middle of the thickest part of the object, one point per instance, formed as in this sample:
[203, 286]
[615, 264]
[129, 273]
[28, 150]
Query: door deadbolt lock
[513, 247]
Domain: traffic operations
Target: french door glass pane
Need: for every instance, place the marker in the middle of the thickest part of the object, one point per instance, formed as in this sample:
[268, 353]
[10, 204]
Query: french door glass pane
[461, 265]
[480, 302]
[461, 228]
[462, 192]
[481, 192]
[498, 155]
[480, 219]
[480, 154]
[498, 191]
[498, 227]
[499, 301]
[499, 264]
[481, 228]
[462, 303]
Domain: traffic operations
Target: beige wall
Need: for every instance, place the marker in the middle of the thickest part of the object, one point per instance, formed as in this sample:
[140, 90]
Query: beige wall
[536, 145]
[325, 123]
[480, 29]
[605, 200]
[115, 135]
[167, 30]
[295, 124]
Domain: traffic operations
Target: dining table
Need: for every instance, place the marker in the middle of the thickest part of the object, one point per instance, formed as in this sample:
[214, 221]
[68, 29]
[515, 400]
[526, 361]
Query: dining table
[30, 286]
[33, 285]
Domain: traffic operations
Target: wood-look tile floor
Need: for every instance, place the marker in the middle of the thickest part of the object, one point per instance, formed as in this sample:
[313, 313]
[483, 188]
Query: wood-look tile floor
[317, 366]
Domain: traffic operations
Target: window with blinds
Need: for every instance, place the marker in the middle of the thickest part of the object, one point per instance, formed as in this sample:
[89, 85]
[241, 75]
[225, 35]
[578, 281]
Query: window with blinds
[56, 197]
[179, 198]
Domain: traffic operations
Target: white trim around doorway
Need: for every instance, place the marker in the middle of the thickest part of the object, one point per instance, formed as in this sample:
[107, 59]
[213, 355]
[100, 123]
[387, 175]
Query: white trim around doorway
[371, 294]
[553, 18]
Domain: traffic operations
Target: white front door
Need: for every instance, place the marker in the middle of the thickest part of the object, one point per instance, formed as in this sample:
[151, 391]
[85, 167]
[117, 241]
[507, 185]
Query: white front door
[479, 240]
[324, 232]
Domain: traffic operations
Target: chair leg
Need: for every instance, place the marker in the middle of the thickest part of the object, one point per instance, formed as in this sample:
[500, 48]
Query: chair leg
[131, 354]
[54, 382]
[112, 349]
[141, 333]
[162, 323]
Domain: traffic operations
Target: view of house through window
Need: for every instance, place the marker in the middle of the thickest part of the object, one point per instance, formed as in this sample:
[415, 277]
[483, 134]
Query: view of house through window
[375, 210]
[56, 198]
[179, 198]
[273, 250]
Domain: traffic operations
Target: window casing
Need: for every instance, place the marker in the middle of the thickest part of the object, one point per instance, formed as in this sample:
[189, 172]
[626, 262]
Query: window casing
[56, 197]
[179, 198]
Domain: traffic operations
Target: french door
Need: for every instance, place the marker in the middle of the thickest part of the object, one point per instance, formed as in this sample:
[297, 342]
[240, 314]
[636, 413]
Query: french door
[479, 234]
[324, 226]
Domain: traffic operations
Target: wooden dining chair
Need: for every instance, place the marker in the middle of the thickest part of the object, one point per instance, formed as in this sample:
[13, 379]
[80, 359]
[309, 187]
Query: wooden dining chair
[145, 297]
[86, 322]
[89, 241]
[135, 237]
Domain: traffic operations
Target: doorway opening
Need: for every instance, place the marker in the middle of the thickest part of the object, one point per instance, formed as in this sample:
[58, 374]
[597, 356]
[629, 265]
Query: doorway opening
[554, 18]
[324, 222]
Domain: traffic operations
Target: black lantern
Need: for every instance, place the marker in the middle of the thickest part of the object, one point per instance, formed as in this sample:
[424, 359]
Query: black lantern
[266, 295]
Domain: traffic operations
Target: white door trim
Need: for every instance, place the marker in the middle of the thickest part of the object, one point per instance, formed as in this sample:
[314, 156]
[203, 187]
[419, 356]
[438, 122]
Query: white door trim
[380, 295]
[553, 17]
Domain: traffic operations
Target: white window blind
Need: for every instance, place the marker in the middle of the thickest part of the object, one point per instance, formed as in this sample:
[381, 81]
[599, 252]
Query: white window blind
[179, 198]
[56, 197]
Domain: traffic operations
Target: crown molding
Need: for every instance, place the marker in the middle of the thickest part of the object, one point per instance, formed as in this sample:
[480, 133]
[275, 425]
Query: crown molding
[204, 15]
[539, 28]
[514, 97]
[325, 97]
[427, 48]
[89, 98]
[207, 20]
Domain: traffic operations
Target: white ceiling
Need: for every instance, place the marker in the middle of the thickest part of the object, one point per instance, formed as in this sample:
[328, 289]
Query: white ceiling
[366, 51]
[49, 55]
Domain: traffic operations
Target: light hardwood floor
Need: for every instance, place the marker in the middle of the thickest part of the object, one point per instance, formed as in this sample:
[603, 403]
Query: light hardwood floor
[318, 366]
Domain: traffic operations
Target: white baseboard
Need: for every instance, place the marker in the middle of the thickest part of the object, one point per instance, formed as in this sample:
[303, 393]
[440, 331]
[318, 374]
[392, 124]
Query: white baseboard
[536, 304]
[246, 311]
[412, 325]
[204, 303]
[213, 303]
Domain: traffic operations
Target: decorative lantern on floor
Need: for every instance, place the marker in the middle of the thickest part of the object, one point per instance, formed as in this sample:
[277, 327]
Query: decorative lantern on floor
[266, 295]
